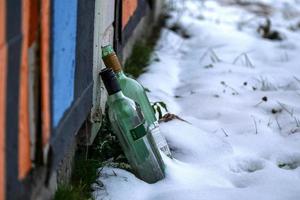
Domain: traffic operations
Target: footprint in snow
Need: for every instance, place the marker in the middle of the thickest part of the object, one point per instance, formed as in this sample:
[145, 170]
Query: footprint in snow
[246, 164]
[289, 162]
[243, 169]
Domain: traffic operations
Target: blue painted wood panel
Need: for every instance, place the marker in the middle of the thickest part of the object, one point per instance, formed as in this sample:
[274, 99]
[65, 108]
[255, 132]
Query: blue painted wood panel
[64, 53]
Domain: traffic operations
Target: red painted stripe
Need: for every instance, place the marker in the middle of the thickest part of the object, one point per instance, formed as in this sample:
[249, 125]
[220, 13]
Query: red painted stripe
[24, 135]
[33, 21]
[45, 74]
[3, 61]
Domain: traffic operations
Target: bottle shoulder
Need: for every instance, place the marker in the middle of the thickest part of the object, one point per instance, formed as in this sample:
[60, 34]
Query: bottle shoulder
[123, 107]
[127, 114]
[122, 102]
[129, 82]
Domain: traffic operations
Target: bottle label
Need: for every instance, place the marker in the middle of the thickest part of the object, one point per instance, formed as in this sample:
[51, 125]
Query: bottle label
[157, 137]
[160, 140]
[138, 132]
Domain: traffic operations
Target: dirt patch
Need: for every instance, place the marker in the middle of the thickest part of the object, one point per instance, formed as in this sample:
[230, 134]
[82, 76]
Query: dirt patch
[257, 8]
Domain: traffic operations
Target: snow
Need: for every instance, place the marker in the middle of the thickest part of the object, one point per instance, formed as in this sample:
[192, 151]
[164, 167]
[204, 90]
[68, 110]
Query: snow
[233, 147]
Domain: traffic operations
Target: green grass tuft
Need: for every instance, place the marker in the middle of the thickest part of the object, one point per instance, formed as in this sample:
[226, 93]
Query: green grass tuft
[69, 192]
[141, 53]
[138, 61]
[87, 162]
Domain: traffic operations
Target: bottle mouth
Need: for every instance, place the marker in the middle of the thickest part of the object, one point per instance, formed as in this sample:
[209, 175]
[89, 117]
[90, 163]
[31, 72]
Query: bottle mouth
[107, 50]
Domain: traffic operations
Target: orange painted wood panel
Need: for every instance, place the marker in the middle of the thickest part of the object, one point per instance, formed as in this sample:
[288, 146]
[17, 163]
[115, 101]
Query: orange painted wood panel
[45, 76]
[128, 9]
[24, 135]
[3, 61]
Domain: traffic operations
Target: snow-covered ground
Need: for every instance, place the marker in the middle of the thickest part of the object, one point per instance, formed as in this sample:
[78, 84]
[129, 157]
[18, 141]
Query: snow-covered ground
[240, 94]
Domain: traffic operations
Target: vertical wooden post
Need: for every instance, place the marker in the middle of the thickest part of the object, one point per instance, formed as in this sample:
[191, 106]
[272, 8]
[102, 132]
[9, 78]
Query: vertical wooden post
[24, 135]
[45, 74]
[3, 61]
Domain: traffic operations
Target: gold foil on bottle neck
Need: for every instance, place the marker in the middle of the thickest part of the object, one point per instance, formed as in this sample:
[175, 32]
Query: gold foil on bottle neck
[112, 62]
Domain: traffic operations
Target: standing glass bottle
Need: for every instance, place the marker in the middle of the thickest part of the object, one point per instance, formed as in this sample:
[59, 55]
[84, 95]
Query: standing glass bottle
[135, 91]
[129, 125]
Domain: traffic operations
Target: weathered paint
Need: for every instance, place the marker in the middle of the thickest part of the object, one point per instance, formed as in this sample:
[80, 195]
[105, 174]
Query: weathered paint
[64, 48]
[104, 17]
[24, 135]
[45, 75]
[103, 34]
[2, 97]
[128, 9]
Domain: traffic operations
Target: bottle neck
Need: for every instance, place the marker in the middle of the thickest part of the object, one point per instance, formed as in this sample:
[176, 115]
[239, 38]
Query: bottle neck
[112, 61]
[116, 96]
[110, 81]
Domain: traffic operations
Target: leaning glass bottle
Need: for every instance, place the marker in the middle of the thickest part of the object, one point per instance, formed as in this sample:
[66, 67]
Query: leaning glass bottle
[135, 91]
[129, 125]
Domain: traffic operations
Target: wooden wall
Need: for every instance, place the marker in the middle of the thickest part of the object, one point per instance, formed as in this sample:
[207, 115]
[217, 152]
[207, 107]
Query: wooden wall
[49, 64]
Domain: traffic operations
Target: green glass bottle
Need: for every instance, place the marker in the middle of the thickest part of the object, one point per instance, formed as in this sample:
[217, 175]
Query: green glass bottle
[129, 125]
[132, 89]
